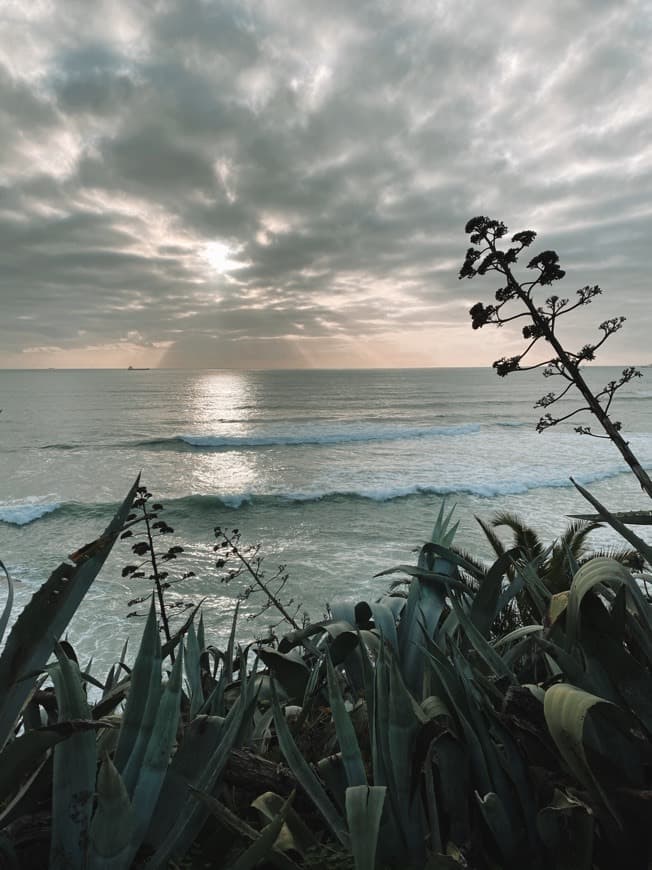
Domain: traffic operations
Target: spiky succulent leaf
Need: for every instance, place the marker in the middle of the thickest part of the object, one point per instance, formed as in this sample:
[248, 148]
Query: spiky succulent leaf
[156, 757]
[143, 701]
[75, 763]
[346, 736]
[301, 769]
[6, 611]
[112, 828]
[566, 827]
[199, 763]
[45, 617]
[290, 671]
[566, 710]
[364, 809]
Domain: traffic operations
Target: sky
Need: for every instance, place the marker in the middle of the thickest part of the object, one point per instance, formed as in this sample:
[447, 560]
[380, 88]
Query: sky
[285, 183]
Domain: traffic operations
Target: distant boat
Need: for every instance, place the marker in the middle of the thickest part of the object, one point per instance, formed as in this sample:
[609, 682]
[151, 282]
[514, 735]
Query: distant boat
[136, 369]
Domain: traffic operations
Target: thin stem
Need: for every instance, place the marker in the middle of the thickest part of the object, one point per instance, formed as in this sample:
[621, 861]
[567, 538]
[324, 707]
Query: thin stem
[157, 581]
[575, 374]
[276, 602]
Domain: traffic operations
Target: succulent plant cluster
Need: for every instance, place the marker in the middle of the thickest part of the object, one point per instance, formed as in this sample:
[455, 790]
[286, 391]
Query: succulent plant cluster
[409, 731]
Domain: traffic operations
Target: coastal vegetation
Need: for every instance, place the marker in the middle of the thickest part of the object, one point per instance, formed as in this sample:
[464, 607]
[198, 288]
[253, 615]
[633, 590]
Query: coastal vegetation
[478, 714]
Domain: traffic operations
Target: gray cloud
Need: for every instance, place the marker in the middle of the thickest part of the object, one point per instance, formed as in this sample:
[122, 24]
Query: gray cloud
[278, 183]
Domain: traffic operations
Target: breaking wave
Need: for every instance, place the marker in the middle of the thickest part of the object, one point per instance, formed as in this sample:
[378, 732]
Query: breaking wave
[231, 442]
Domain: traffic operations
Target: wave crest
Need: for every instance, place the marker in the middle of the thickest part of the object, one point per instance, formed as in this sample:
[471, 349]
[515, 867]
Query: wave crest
[231, 442]
[22, 513]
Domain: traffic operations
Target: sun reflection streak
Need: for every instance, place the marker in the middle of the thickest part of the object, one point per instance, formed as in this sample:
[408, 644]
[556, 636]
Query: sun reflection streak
[221, 405]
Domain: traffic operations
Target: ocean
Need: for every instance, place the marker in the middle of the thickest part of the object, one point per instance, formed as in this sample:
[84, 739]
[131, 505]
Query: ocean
[336, 474]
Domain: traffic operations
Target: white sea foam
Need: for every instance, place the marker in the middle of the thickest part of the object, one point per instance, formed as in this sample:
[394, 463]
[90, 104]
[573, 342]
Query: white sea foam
[21, 513]
[483, 489]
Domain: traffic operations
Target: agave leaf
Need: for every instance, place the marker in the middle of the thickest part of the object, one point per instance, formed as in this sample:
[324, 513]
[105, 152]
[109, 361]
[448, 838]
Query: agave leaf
[33, 793]
[566, 827]
[230, 648]
[484, 607]
[193, 671]
[557, 607]
[436, 577]
[295, 835]
[481, 644]
[6, 611]
[443, 532]
[233, 822]
[75, 763]
[45, 617]
[498, 821]
[301, 769]
[346, 736]
[445, 862]
[262, 847]
[518, 773]
[596, 572]
[109, 681]
[425, 605]
[143, 701]
[385, 623]
[495, 747]
[344, 639]
[156, 757]
[403, 727]
[343, 611]
[518, 650]
[433, 553]
[8, 857]
[201, 740]
[261, 732]
[626, 680]
[566, 709]
[291, 672]
[123, 654]
[566, 664]
[517, 634]
[364, 809]
[112, 698]
[535, 587]
[638, 543]
[169, 646]
[331, 772]
[451, 687]
[210, 758]
[112, 828]
[302, 635]
[630, 518]
[201, 633]
[23, 754]
[378, 710]
[430, 800]
[451, 759]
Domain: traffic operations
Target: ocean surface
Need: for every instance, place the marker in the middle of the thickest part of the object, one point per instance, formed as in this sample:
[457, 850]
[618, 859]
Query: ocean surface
[336, 474]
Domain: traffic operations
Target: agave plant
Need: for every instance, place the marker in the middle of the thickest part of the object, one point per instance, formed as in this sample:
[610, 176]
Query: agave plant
[458, 737]
[117, 787]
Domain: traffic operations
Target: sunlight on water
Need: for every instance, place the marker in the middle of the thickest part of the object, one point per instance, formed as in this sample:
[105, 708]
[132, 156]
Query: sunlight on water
[337, 474]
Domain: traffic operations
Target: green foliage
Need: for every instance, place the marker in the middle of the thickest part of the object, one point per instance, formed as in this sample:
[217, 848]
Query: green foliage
[145, 770]
[446, 725]
[45, 618]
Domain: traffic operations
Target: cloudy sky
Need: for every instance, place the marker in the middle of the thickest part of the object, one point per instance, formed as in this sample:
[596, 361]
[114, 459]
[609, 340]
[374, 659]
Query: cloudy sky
[286, 182]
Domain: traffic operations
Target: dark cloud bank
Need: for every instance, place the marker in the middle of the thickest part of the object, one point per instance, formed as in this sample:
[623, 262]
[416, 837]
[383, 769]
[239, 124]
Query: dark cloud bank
[284, 184]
